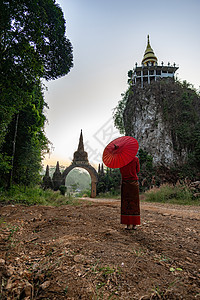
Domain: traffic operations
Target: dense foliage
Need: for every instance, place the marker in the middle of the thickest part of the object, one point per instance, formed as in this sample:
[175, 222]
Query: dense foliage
[30, 142]
[109, 181]
[181, 110]
[33, 46]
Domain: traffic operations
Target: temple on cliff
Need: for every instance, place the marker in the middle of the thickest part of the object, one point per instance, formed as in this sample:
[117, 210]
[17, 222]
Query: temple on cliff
[150, 70]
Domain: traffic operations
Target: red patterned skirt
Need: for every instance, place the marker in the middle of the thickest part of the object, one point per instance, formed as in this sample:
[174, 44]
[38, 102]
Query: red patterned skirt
[130, 203]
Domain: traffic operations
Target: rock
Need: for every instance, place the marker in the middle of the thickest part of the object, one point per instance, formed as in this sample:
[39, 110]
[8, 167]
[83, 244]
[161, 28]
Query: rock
[3, 267]
[45, 285]
[195, 183]
[189, 259]
[2, 262]
[27, 290]
[196, 195]
[22, 288]
[9, 284]
[10, 270]
[79, 258]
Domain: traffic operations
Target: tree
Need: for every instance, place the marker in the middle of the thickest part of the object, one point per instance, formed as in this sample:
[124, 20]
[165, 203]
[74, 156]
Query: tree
[109, 181]
[33, 46]
[31, 141]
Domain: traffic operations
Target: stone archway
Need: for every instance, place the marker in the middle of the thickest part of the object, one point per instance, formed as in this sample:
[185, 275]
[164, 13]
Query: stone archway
[91, 171]
[81, 161]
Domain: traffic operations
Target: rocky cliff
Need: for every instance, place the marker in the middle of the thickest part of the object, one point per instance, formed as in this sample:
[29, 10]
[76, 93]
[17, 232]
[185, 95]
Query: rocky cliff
[164, 117]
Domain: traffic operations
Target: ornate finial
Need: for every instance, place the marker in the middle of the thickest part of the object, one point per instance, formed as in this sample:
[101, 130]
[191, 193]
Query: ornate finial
[148, 39]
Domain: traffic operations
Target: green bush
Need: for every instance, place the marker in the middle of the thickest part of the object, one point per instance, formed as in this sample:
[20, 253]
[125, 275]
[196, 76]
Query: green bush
[171, 194]
[62, 189]
[34, 195]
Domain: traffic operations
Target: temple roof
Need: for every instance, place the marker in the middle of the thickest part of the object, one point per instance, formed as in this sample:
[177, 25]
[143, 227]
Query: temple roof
[149, 55]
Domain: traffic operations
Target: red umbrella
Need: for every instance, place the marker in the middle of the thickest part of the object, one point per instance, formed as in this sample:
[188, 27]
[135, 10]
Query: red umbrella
[120, 152]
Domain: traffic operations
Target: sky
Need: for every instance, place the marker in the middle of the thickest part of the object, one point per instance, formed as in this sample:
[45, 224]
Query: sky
[108, 37]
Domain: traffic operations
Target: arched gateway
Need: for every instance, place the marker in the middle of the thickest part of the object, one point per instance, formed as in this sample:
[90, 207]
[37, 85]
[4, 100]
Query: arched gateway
[81, 161]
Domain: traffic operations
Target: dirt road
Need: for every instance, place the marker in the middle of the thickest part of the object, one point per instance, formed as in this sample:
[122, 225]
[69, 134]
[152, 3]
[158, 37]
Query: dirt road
[82, 252]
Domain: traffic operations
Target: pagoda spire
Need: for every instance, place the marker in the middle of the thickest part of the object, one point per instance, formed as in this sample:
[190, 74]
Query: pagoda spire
[149, 56]
[57, 168]
[80, 145]
[47, 182]
[99, 169]
[102, 169]
[57, 177]
[150, 71]
[80, 154]
[47, 171]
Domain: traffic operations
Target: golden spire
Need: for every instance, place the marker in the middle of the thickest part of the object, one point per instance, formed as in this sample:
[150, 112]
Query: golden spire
[149, 55]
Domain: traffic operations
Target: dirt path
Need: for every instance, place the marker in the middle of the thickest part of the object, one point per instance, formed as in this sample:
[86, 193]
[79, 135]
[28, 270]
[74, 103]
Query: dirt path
[176, 210]
[82, 252]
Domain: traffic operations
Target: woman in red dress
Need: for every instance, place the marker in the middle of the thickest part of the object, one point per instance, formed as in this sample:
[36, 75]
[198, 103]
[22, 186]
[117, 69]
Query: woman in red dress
[130, 204]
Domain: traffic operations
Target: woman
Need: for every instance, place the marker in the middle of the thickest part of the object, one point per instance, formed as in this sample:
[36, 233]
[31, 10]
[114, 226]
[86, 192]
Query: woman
[130, 205]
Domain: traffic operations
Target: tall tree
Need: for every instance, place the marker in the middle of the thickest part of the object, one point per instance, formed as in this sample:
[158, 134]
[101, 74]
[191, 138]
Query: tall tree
[31, 141]
[33, 46]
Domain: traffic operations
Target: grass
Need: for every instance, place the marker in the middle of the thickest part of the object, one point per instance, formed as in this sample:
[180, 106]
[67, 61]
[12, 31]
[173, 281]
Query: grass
[139, 252]
[110, 195]
[35, 196]
[171, 194]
